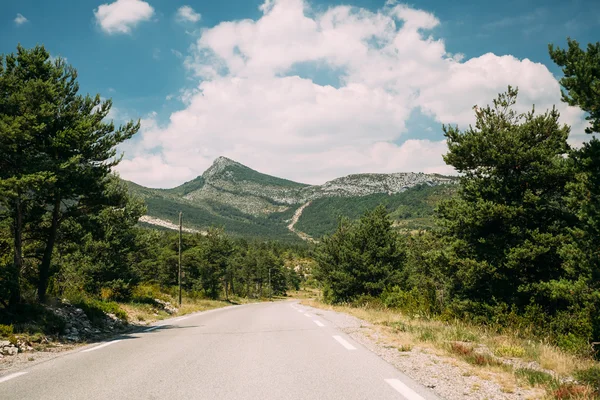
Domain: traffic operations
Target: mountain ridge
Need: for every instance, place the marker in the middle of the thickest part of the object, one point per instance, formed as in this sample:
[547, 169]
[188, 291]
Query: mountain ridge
[246, 201]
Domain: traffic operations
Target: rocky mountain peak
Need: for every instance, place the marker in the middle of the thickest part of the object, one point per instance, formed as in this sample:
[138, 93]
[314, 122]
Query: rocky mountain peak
[218, 166]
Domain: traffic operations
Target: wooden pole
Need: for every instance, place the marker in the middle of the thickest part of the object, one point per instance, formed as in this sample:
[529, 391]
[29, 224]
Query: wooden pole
[180, 228]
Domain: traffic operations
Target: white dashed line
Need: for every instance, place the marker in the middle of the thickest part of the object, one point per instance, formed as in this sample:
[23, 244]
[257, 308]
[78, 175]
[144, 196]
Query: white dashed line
[101, 346]
[307, 315]
[153, 328]
[344, 343]
[319, 323]
[404, 390]
[7, 377]
[300, 310]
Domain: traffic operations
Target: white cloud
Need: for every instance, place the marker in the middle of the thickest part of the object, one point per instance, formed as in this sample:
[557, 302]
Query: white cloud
[122, 15]
[187, 14]
[249, 105]
[20, 19]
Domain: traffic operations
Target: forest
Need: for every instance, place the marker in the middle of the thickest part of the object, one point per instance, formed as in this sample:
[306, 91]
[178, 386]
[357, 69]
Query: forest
[516, 248]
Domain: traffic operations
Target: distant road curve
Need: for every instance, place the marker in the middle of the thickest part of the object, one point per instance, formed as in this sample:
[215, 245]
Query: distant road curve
[295, 219]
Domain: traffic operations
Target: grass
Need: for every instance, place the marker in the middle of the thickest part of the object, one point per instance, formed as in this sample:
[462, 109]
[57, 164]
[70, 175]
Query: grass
[483, 352]
[534, 377]
[146, 313]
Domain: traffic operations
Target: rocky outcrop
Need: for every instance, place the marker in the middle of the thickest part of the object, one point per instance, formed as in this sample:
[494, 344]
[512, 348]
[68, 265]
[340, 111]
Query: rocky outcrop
[166, 306]
[7, 348]
[78, 327]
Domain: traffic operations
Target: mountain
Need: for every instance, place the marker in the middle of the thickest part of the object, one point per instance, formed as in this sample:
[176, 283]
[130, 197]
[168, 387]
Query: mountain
[248, 203]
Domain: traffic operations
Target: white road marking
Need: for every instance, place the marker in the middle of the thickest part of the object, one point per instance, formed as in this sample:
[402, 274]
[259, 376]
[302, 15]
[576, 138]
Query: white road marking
[182, 318]
[319, 323]
[153, 328]
[7, 377]
[307, 315]
[101, 346]
[404, 390]
[344, 343]
[300, 310]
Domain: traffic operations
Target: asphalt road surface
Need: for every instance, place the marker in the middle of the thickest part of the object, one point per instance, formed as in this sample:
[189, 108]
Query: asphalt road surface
[255, 351]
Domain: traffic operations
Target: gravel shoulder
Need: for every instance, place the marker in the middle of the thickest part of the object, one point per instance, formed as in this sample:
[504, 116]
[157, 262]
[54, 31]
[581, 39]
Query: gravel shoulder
[450, 378]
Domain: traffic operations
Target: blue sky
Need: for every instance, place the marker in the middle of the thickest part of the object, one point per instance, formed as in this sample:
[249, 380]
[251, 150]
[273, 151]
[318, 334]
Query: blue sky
[144, 56]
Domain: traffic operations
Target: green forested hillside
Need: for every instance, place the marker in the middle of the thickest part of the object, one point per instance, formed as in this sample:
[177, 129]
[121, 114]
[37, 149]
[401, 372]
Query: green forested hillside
[166, 205]
[412, 209]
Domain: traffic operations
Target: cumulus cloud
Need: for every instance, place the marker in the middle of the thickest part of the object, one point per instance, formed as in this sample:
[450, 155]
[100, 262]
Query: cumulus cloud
[20, 19]
[187, 14]
[251, 103]
[122, 15]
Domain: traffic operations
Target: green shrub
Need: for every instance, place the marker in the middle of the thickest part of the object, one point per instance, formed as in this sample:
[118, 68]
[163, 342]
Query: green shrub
[96, 309]
[6, 330]
[412, 303]
[589, 376]
[534, 377]
[145, 293]
[117, 290]
[427, 335]
[32, 318]
[572, 343]
[509, 351]
[367, 301]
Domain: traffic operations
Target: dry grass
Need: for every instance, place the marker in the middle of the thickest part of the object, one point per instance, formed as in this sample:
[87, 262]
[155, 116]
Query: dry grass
[476, 349]
[147, 313]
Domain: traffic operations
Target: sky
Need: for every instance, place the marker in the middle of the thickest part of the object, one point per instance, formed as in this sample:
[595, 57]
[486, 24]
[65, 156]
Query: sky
[302, 89]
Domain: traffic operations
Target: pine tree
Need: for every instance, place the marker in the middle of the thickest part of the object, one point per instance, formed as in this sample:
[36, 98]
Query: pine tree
[509, 219]
[57, 149]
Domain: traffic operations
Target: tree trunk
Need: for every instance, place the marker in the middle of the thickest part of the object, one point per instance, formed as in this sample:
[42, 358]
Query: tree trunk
[15, 293]
[44, 272]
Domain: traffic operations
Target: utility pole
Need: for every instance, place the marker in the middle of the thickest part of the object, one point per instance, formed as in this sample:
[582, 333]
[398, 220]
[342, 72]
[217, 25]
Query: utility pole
[270, 287]
[180, 227]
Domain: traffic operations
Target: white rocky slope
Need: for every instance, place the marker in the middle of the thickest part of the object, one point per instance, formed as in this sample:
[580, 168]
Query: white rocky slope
[366, 184]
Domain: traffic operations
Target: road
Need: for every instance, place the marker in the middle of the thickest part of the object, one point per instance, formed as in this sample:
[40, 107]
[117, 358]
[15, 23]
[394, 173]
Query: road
[255, 351]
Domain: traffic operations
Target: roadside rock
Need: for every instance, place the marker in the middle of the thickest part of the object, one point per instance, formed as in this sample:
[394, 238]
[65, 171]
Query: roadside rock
[165, 305]
[10, 350]
[78, 326]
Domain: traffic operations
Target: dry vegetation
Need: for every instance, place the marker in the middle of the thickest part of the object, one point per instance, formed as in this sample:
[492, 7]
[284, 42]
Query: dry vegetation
[142, 313]
[507, 359]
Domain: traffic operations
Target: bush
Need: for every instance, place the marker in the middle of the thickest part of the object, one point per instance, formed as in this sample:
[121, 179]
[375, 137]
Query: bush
[96, 310]
[412, 303]
[367, 301]
[117, 290]
[509, 351]
[6, 330]
[146, 294]
[589, 376]
[534, 377]
[33, 318]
